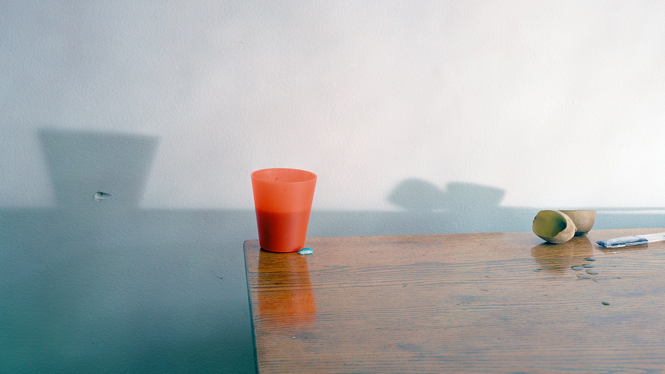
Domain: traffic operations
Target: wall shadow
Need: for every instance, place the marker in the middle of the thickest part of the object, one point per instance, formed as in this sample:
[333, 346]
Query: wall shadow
[83, 163]
[468, 207]
[104, 286]
[420, 195]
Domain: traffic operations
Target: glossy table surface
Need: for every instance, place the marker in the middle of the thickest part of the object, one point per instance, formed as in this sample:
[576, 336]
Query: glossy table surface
[488, 302]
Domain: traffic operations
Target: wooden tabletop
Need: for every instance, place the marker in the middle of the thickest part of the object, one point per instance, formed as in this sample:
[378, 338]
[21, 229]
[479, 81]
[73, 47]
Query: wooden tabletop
[490, 302]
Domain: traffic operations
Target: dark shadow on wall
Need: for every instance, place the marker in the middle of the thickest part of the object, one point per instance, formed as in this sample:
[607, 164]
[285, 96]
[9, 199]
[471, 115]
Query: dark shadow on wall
[83, 163]
[468, 207]
[103, 286]
[421, 195]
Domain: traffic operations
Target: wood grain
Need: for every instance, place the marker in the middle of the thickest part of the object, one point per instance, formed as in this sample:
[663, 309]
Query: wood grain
[490, 302]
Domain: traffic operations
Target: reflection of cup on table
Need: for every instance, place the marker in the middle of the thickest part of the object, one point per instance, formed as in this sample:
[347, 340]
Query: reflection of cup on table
[283, 201]
[285, 295]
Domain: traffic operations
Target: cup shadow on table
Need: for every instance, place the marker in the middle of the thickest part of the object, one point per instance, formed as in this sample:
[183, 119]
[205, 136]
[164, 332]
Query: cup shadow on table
[105, 286]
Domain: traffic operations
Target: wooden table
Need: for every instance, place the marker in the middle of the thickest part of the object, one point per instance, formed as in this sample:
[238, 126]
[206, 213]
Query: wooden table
[490, 302]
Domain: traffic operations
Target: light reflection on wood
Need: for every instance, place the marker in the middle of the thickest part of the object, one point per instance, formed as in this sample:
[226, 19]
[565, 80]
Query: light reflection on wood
[285, 298]
[560, 257]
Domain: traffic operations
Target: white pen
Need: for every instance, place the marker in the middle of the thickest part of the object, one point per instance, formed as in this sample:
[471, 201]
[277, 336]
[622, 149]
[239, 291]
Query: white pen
[627, 241]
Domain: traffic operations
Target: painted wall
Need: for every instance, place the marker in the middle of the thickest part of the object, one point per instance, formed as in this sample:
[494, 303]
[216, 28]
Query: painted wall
[425, 117]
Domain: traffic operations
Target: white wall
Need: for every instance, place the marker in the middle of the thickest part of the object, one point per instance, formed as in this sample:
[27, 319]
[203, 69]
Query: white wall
[560, 104]
[418, 117]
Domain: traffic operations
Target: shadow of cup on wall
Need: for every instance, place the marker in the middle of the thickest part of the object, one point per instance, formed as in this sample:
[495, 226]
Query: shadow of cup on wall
[286, 299]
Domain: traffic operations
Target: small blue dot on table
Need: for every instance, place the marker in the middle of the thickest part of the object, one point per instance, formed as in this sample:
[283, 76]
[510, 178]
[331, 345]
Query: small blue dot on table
[305, 251]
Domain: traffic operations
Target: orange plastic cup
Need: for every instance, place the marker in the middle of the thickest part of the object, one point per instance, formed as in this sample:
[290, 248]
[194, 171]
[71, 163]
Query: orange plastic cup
[283, 200]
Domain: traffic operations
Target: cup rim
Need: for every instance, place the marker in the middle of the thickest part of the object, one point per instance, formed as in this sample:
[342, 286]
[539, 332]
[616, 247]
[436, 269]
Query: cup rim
[311, 176]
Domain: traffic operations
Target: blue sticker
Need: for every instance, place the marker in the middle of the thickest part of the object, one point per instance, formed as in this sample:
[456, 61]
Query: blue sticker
[305, 251]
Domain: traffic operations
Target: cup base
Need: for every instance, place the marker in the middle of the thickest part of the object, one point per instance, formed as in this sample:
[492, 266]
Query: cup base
[282, 232]
[285, 251]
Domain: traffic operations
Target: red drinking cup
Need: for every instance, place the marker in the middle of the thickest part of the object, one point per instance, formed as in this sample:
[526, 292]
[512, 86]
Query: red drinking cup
[283, 200]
